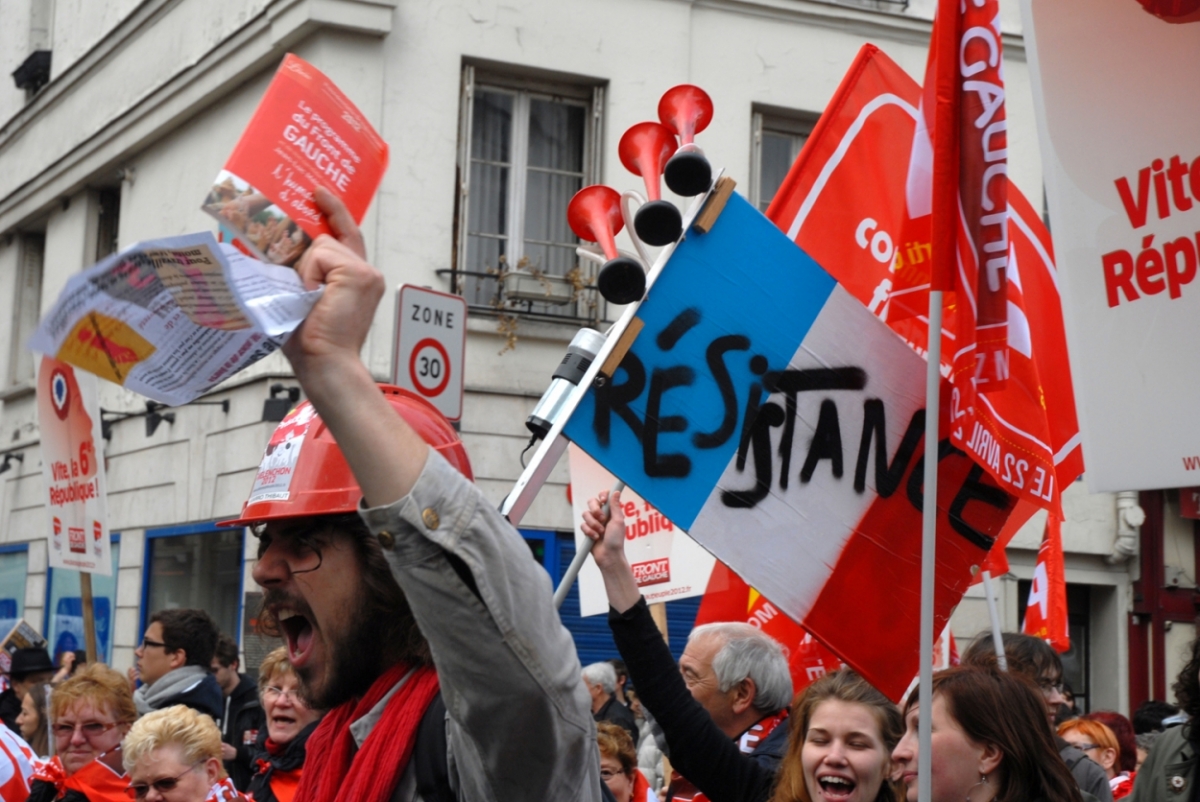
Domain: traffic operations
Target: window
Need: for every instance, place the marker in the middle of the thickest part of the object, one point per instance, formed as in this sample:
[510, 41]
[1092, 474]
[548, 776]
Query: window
[108, 221]
[1076, 662]
[777, 142]
[14, 566]
[525, 149]
[64, 619]
[196, 567]
[26, 305]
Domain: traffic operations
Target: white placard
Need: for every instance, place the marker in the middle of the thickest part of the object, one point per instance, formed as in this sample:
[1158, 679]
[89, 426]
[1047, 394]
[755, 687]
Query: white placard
[667, 564]
[73, 468]
[1119, 124]
[430, 351]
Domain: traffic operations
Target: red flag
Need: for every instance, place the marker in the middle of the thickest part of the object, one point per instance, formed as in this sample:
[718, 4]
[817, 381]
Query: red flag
[849, 202]
[1046, 615]
[729, 598]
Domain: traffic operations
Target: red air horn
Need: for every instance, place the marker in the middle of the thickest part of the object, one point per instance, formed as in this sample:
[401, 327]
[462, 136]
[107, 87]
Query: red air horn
[687, 110]
[644, 150]
[594, 214]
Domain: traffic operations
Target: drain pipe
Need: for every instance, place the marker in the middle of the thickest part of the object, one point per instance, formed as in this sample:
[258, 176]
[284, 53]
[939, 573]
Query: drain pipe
[1130, 516]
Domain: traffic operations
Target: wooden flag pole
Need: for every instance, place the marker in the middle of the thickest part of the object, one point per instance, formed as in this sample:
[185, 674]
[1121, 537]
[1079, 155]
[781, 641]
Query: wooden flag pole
[933, 378]
[89, 615]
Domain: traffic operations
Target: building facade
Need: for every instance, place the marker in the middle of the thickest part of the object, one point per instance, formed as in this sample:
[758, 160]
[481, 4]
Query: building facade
[495, 114]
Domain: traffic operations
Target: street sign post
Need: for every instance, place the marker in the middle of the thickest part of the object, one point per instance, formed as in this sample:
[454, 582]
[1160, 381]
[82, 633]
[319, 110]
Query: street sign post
[430, 347]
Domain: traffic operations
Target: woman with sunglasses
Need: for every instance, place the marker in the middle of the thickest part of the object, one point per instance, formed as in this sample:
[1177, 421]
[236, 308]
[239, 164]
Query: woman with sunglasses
[89, 715]
[174, 755]
[289, 723]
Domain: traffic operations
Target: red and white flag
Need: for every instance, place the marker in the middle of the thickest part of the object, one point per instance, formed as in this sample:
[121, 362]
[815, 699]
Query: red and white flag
[1046, 615]
[850, 202]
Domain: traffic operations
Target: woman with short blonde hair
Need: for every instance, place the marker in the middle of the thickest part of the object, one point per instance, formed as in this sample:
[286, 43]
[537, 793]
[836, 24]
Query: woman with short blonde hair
[282, 744]
[175, 754]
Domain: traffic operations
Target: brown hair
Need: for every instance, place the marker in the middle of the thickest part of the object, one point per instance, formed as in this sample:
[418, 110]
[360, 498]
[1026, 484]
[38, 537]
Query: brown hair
[41, 736]
[1008, 710]
[614, 741]
[105, 688]
[845, 686]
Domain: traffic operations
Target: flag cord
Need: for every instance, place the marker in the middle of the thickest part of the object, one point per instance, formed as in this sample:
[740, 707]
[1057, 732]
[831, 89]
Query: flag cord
[933, 377]
[994, 616]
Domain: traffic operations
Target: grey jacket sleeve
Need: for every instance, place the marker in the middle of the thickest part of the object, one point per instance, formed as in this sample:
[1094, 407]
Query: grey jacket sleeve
[520, 718]
[1087, 773]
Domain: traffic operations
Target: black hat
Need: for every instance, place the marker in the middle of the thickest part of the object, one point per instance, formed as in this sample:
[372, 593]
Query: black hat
[30, 661]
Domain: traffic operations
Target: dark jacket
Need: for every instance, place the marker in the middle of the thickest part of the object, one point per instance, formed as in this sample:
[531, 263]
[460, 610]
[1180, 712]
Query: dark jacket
[10, 708]
[707, 757]
[620, 715]
[1087, 772]
[205, 696]
[243, 720]
[266, 764]
[1169, 773]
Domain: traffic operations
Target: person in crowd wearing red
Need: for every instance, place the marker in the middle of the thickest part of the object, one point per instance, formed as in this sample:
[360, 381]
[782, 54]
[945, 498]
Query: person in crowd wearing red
[1037, 662]
[174, 662]
[1168, 773]
[618, 765]
[243, 716]
[90, 713]
[1100, 744]
[1122, 728]
[730, 694]
[990, 742]
[289, 722]
[416, 617]
[174, 755]
[17, 763]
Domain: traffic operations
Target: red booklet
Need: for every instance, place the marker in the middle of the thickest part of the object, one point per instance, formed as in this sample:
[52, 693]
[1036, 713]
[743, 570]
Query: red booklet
[305, 132]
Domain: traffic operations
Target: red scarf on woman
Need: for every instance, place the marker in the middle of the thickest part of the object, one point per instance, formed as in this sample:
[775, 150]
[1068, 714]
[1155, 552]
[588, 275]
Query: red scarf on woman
[372, 773]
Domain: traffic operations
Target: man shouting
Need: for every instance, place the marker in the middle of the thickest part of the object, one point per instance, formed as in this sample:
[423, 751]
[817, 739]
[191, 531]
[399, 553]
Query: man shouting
[411, 609]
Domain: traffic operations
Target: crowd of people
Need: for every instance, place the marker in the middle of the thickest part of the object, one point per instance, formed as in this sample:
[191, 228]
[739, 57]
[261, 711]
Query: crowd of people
[424, 660]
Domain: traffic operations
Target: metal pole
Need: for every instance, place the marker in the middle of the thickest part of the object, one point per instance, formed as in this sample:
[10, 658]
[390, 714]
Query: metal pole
[564, 586]
[994, 615]
[933, 378]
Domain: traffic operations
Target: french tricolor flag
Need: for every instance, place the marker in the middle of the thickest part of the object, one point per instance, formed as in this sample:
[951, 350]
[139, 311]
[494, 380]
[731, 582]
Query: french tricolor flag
[768, 413]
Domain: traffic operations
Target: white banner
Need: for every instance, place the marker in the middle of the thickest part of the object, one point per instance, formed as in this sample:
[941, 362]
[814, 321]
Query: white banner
[1119, 124]
[667, 564]
[73, 468]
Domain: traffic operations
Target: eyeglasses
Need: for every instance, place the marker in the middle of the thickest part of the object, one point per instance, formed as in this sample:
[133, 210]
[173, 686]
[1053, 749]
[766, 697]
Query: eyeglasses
[1050, 686]
[276, 692]
[1087, 747]
[90, 729]
[163, 786]
[608, 774]
[146, 642]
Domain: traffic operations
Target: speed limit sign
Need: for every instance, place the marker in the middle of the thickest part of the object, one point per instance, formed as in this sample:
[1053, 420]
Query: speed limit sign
[430, 346]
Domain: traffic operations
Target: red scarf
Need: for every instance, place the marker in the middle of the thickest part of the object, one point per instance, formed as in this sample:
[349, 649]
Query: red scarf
[372, 773]
[681, 790]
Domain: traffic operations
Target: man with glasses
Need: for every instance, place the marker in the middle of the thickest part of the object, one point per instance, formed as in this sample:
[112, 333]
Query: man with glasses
[411, 609]
[1036, 660]
[174, 662]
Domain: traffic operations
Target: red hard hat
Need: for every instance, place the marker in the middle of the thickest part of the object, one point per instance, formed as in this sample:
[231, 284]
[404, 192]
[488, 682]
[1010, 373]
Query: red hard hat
[303, 472]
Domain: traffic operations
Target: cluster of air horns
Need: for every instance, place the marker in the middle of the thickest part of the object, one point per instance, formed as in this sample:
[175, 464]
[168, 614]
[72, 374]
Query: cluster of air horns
[655, 151]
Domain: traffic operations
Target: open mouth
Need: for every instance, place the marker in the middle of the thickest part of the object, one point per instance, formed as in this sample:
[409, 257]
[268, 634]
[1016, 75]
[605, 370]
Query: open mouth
[283, 721]
[834, 787]
[298, 630]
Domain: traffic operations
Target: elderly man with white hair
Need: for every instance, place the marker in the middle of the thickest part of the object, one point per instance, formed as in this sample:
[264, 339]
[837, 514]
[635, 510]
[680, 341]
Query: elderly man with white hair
[601, 682]
[735, 680]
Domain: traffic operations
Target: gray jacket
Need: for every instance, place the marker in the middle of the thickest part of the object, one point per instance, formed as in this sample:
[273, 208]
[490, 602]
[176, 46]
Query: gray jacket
[1169, 770]
[519, 718]
[1087, 772]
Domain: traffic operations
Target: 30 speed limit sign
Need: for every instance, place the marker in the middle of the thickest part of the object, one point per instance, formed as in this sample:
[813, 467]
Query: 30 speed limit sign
[430, 347]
